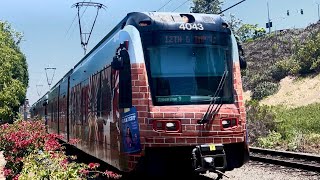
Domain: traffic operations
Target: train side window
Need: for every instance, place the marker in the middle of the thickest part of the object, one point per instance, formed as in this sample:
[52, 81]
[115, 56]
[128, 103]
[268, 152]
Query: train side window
[106, 92]
[98, 95]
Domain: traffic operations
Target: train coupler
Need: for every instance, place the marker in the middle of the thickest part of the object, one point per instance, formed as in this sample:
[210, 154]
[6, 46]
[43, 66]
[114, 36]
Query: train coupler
[209, 157]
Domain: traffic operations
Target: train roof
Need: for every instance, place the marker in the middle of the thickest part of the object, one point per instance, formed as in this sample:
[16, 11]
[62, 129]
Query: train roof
[160, 21]
[63, 78]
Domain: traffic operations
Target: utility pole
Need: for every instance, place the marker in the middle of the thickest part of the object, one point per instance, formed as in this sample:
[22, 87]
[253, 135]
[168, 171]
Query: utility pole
[269, 23]
[318, 12]
[25, 109]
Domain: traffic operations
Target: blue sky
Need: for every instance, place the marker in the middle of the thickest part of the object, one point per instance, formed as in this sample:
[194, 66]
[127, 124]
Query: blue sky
[51, 32]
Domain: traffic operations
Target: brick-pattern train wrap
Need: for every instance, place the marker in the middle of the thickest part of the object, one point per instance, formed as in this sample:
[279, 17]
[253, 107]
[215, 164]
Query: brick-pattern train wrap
[159, 93]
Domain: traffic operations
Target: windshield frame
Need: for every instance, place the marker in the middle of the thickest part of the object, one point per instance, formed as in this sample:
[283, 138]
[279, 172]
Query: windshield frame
[228, 83]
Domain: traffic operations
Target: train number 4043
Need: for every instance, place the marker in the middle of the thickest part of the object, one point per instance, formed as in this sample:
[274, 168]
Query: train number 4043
[191, 26]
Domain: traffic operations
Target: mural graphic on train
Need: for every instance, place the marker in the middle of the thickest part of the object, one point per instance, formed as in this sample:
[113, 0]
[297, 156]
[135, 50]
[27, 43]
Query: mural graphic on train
[147, 95]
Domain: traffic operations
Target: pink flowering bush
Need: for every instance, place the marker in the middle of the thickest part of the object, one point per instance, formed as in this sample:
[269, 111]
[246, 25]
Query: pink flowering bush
[31, 153]
[51, 165]
[18, 140]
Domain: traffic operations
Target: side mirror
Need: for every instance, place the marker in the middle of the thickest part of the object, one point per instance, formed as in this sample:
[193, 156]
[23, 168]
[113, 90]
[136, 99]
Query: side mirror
[243, 62]
[125, 86]
[117, 63]
[118, 60]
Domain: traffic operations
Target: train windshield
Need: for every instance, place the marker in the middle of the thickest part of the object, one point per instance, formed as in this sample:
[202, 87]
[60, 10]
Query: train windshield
[186, 68]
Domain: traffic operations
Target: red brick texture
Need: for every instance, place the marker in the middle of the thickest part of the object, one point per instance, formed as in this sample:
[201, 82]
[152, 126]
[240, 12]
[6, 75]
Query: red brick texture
[191, 133]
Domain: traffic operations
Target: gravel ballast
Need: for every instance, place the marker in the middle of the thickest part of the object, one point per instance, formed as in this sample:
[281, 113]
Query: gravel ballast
[261, 171]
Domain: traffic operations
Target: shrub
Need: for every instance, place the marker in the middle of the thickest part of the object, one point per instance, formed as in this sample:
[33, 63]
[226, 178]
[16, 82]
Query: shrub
[303, 119]
[283, 68]
[18, 140]
[278, 73]
[51, 165]
[299, 127]
[260, 120]
[308, 55]
[312, 143]
[29, 150]
[294, 129]
[264, 89]
[295, 140]
[258, 78]
[56, 165]
[271, 141]
[274, 48]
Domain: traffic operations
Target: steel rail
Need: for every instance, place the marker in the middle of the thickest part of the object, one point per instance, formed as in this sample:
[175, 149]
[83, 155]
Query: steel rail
[304, 161]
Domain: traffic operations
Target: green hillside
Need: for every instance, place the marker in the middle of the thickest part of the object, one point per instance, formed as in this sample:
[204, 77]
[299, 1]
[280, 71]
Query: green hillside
[282, 85]
[279, 54]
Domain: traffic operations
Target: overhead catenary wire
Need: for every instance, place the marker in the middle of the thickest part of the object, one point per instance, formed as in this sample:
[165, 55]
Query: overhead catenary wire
[180, 5]
[164, 5]
[231, 6]
[76, 17]
[71, 24]
[39, 91]
[84, 9]
[40, 80]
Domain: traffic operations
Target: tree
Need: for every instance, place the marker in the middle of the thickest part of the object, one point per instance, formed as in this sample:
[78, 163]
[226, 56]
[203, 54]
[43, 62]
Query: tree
[207, 6]
[258, 32]
[243, 31]
[250, 31]
[307, 55]
[246, 31]
[234, 23]
[13, 72]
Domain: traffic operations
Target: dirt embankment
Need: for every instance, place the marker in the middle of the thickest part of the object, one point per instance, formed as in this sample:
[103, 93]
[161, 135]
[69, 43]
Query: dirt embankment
[294, 92]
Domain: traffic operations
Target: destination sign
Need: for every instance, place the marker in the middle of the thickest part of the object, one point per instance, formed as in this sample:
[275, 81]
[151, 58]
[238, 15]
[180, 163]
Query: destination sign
[162, 99]
[210, 38]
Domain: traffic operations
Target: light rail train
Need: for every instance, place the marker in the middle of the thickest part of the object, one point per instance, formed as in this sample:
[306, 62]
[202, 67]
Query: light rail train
[159, 93]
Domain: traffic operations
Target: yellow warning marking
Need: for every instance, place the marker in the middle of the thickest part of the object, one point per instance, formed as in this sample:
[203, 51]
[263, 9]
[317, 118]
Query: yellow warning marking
[212, 147]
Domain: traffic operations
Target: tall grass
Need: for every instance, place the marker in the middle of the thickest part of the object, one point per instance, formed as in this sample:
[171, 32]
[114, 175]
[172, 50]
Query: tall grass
[305, 119]
[296, 129]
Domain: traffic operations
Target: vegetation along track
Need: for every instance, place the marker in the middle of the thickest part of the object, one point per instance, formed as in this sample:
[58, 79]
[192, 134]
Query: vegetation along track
[304, 161]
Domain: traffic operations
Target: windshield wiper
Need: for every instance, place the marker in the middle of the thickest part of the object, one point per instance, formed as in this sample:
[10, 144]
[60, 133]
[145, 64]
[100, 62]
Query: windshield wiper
[210, 111]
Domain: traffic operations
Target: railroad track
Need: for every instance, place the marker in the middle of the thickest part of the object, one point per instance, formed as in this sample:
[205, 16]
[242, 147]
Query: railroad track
[303, 161]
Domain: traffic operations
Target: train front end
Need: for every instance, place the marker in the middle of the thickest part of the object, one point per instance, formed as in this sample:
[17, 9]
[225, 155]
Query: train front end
[188, 95]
